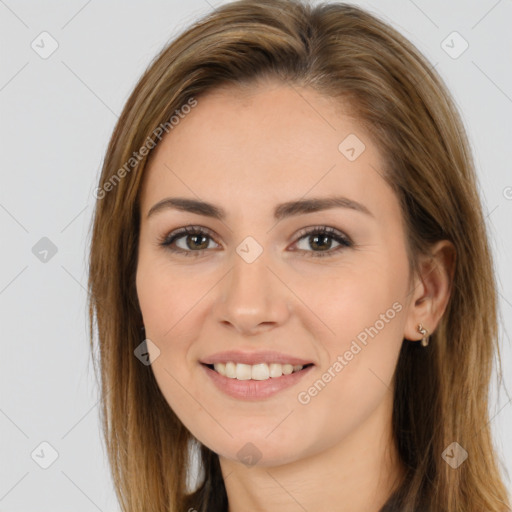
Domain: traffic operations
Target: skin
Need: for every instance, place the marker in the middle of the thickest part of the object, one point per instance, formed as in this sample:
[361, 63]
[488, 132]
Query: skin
[247, 151]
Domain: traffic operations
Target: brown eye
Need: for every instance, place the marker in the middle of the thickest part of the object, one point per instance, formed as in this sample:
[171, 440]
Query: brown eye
[320, 240]
[191, 240]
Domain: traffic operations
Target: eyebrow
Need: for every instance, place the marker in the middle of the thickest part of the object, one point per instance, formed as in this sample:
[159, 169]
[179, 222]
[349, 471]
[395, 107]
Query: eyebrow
[281, 211]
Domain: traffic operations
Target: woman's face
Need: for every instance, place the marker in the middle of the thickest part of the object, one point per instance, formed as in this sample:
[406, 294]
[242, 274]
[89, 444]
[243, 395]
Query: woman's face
[255, 283]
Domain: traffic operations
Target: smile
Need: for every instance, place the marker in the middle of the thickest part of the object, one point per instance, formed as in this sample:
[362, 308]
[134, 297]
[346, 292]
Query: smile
[254, 382]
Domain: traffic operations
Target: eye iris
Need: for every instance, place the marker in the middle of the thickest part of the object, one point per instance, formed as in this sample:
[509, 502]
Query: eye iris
[204, 245]
[323, 238]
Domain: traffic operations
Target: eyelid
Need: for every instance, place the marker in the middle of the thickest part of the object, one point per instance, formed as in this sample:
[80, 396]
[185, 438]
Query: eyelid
[324, 229]
[177, 233]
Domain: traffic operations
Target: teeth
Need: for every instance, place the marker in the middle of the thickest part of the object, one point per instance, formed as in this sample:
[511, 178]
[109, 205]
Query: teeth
[275, 370]
[230, 370]
[287, 369]
[243, 371]
[261, 371]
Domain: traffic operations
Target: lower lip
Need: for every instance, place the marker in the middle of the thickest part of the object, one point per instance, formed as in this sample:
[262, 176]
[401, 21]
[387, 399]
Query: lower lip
[254, 389]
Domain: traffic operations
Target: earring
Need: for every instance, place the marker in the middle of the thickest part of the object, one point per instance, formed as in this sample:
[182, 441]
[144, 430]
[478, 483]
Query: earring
[424, 333]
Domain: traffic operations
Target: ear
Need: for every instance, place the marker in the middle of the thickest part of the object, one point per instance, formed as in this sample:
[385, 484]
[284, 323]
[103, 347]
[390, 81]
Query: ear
[431, 289]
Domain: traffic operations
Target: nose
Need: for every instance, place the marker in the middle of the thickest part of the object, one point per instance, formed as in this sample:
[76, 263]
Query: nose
[253, 298]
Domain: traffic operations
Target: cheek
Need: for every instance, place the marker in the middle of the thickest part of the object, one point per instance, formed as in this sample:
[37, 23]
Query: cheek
[166, 298]
[172, 313]
[364, 302]
[365, 311]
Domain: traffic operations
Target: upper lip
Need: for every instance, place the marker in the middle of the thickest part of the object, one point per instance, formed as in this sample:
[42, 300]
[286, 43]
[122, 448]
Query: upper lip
[265, 356]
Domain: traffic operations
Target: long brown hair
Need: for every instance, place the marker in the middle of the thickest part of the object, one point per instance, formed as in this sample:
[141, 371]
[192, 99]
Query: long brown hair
[441, 394]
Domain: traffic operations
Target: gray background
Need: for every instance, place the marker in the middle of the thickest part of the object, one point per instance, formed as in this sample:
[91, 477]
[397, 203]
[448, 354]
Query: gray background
[57, 115]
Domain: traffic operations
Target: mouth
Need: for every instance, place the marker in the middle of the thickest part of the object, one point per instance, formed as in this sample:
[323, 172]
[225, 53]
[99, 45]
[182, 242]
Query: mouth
[254, 382]
[256, 372]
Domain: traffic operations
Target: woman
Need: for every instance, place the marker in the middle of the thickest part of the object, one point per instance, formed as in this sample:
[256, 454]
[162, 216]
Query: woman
[291, 277]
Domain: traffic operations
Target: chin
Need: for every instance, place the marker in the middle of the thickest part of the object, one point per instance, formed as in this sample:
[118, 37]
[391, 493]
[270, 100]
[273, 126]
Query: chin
[257, 450]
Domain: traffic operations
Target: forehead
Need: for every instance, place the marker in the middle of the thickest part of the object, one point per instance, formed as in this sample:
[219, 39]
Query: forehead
[265, 142]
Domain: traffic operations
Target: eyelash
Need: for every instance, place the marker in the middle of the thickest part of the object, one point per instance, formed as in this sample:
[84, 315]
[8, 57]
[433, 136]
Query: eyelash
[336, 235]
